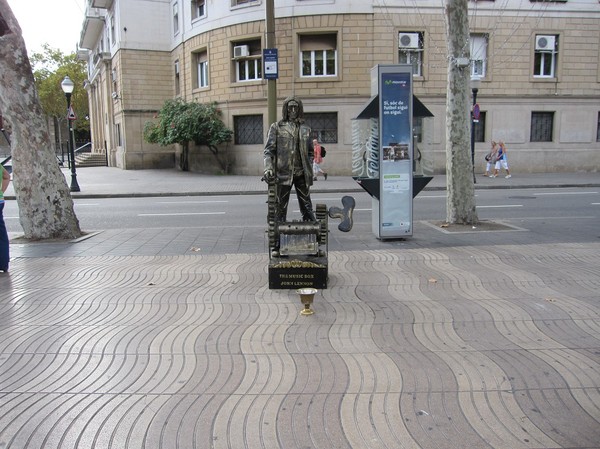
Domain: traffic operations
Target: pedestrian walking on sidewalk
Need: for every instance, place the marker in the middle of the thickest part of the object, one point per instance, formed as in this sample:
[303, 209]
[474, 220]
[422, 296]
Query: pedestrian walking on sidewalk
[502, 160]
[490, 159]
[4, 251]
[318, 160]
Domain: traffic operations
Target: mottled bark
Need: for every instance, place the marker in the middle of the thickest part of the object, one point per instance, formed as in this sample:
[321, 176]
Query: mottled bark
[460, 202]
[45, 203]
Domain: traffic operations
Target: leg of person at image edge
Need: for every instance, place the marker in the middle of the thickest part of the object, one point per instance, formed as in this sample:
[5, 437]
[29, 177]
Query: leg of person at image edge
[4, 251]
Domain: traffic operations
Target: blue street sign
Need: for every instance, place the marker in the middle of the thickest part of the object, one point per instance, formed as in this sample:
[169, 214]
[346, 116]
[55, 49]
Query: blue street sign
[270, 63]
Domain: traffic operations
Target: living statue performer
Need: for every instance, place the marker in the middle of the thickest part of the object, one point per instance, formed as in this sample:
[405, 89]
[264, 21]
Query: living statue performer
[288, 161]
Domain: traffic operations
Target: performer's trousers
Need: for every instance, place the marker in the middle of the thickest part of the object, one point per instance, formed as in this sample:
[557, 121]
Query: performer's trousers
[304, 201]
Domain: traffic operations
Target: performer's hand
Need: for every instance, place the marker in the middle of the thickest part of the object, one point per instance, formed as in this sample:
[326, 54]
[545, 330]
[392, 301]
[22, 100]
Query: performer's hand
[269, 175]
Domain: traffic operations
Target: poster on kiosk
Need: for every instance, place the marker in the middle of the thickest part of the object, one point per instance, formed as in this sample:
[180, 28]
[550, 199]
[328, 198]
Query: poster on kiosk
[395, 208]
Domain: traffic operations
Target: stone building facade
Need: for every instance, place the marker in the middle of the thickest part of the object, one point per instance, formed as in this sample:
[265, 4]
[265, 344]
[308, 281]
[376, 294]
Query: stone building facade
[538, 62]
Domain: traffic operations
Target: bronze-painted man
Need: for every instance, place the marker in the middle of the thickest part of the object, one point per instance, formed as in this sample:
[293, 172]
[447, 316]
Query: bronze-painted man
[288, 159]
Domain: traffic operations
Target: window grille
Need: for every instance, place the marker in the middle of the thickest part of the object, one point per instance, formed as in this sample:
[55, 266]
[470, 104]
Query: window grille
[542, 124]
[248, 129]
[324, 126]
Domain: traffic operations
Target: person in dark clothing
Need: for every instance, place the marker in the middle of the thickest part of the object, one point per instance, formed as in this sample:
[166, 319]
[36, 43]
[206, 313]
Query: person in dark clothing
[4, 243]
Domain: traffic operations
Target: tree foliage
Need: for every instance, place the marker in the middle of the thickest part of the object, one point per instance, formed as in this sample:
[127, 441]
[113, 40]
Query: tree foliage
[49, 69]
[180, 123]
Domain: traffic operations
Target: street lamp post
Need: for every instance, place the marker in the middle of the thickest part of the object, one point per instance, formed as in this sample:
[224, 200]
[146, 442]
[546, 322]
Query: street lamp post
[67, 86]
[475, 82]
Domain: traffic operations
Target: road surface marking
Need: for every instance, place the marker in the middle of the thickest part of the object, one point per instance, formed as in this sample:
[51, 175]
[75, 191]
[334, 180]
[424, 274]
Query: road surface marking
[190, 202]
[566, 193]
[180, 214]
[505, 205]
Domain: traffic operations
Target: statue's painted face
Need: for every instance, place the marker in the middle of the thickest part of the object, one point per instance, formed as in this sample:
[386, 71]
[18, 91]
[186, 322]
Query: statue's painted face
[293, 108]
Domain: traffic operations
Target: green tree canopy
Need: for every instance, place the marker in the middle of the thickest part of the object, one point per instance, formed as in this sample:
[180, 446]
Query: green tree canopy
[49, 69]
[180, 123]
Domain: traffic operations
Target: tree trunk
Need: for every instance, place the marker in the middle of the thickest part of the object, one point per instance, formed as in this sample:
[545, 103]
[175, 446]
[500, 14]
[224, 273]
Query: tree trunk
[460, 201]
[222, 161]
[45, 204]
[184, 157]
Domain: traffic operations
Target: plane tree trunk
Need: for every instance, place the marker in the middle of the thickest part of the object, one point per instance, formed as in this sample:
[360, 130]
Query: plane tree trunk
[460, 201]
[45, 203]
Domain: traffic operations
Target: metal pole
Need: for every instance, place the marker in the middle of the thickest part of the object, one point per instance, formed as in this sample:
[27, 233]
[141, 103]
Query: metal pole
[271, 84]
[473, 133]
[74, 185]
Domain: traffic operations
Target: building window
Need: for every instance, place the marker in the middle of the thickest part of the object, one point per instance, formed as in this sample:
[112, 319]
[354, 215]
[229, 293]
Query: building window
[248, 129]
[542, 124]
[198, 9]
[118, 134]
[249, 70]
[410, 51]
[200, 75]
[177, 79]
[324, 126]
[318, 54]
[243, 2]
[479, 128]
[112, 31]
[479, 44]
[113, 78]
[175, 18]
[545, 57]
[248, 60]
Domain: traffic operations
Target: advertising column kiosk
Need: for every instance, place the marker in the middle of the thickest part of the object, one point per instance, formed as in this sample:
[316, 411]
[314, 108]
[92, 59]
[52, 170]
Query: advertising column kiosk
[393, 211]
[391, 157]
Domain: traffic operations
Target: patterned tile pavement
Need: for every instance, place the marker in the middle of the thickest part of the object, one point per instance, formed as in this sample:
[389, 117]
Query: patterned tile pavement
[441, 346]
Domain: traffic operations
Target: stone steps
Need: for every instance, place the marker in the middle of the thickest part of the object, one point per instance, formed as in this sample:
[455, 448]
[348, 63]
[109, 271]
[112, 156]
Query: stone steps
[90, 160]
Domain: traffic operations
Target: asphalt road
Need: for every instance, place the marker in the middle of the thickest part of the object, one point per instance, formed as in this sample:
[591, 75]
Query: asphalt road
[574, 210]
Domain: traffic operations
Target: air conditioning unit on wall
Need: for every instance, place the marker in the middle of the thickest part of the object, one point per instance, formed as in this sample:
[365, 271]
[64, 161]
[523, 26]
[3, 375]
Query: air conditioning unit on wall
[408, 40]
[545, 42]
[241, 51]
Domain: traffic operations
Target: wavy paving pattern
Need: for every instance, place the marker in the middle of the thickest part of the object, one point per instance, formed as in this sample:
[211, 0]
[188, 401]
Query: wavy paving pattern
[433, 348]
